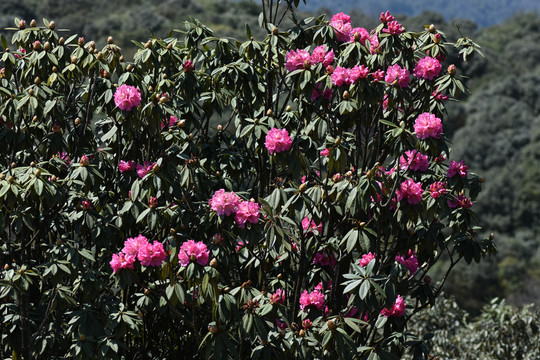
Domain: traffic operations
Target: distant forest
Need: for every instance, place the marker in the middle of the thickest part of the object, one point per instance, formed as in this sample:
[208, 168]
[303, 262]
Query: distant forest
[496, 130]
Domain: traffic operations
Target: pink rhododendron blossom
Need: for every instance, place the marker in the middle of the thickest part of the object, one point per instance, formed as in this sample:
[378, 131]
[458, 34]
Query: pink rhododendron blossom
[296, 59]
[278, 140]
[378, 75]
[133, 245]
[314, 298]
[124, 166]
[341, 17]
[86, 204]
[321, 56]
[188, 66]
[386, 17]
[85, 160]
[393, 27]
[439, 96]
[411, 191]
[457, 168]
[278, 297]
[325, 152]
[359, 34]
[396, 72]
[153, 202]
[172, 121]
[397, 309]
[366, 259]
[460, 201]
[192, 251]
[343, 27]
[340, 76]
[127, 97]
[358, 72]
[281, 324]
[427, 126]
[224, 203]
[427, 68]
[414, 160]
[151, 254]
[248, 211]
[437, 189]
[309, 225]
[121, 261]
[326, 94]
[143, 169]
[410, 261]
[307, 324]
[324, 260]
[374, 44]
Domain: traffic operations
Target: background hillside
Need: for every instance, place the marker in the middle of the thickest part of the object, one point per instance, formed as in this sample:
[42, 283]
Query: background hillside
[496, 130]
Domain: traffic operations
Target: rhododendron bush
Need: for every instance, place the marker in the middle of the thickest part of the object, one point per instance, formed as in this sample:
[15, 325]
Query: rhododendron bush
[220, 198]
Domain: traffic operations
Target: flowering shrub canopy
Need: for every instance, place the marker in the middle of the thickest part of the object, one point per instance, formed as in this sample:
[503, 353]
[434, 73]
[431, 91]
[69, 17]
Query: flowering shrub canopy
[258, 198]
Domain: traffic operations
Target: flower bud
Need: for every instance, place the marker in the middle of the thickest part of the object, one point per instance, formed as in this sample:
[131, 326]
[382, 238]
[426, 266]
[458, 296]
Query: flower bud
[86, 204]
[331, 325]
[214, 263]
[33, 23]
[337, 177]
[129, 68]
[191, 137]
[432, 29]
[452, 70]
[31, 92]
[346, 95]
[220, 127]
[269, 112]
[61, 41]
[11, 179]
[85, 160]
[52, 25]
[437, 38]
[217, 239]
[213, 329]
[181, 123]
[110, 40]
[337, 142]
[491, 237]
[427, 279]
[81, 41]
[37, 80]
[302, 333]
[77, 121]
[153, 202]
[36, 45]
[302, 187]
[155, 168]
[54, 69]
[288, 108]
[100, 56]
[47, 46]
[6, 267]
[482, 180]
[275, 31]
[148, 44]
[22, 25]
[74, 60]
[121, 58]
[2, 176]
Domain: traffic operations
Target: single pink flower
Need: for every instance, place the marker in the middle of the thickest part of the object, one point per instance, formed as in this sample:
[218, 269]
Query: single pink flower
[85, 160]
[437, 189]
[358, 72]
[411, 191]
[143, 169]
[321, 56]
[172, 121]
[414, 160]
[386, 17]
[457, 168]
[248, 211]
[460, 201]
[153, 202]
[224, 203]
[309, 226]
[410, 261]
[278, 140]
[427, 68]
[192, 251]
[307, 324]
[378, 75]
[366, 259]
[324, 260]
[278, 297]
[188, 66]
[127, 97]
[297, 59]
[314, 298]
[359, 34]
[397, 309]
[122, 261]
[427, 126]
[124, 166]
[396, 72]
[341, 17]
[439, 96]
[151, 254]
[374, 42]
[325, 152]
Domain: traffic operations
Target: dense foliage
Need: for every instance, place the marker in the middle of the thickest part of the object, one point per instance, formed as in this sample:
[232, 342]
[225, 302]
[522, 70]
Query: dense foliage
[303, 225]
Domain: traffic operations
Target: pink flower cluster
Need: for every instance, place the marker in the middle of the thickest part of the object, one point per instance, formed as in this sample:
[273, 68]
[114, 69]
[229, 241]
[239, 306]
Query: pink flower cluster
[228, 203]
[192, 251]
[314, 298]
[460, 201]
[278, 297]
[366, 259]
[411, 191]
[324, 260]
[278, 140]
[341, 22]
[347, 76]
[410, 261]
[397, 309]
[427, 68]
[399, 74]
[129, 165]
[138, 248]
[143, 169]
[127, 97]
[309, 226]
[427, 126]
[437, 189]
[172, 121]
[457, 168]
[414, 160]
[301, 59]
[393, 27]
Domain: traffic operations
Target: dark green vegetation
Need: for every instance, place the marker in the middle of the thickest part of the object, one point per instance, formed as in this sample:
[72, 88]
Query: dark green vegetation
[497, 130]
